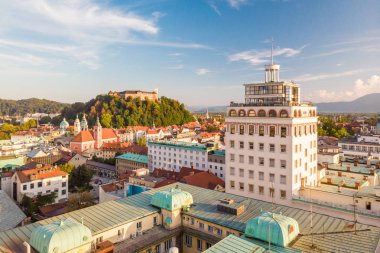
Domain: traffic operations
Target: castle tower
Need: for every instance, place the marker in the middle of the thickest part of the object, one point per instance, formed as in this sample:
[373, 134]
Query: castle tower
[98, 134]
[84, 124]
[77, 127]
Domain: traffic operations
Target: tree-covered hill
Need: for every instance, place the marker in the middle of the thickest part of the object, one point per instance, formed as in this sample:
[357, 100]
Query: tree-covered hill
[118, 112]
[31, 105]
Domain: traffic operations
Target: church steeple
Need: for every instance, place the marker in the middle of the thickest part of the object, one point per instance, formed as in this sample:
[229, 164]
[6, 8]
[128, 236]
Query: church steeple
[77, 127]
[98, 134]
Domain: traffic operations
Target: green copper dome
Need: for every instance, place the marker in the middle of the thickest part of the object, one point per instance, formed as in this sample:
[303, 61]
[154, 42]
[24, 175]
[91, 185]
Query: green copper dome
[283, 229]
[172, 199]
[60, 236]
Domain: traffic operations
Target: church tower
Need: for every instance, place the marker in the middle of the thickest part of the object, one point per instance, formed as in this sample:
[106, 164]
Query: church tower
[98, 134]
[77, 127]
[84, 124]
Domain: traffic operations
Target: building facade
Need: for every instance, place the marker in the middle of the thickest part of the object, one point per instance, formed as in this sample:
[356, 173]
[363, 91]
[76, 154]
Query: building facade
[130, 162]
[271, 141]
[217, 163]
[172, 155]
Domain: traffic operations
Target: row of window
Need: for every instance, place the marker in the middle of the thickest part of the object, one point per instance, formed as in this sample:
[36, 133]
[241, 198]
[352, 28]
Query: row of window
[39, 185]
[361, 148]
[251, 175]
[261, 189]
[251, 146]
[261, 130]
[189, 243]
[271, 113]
[175, 149]
[170, 159]
[272, 162]
[180, 164]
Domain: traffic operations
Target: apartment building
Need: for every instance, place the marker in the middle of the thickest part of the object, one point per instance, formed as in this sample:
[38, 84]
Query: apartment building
[217, 162]
[271, 141]
[44, 179]
[361, 147]
[172, 155]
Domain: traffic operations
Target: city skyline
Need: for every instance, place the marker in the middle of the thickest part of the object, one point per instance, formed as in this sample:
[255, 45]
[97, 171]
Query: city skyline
[72, 52]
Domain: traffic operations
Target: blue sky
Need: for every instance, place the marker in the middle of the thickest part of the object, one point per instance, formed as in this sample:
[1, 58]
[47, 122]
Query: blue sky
[198, 51]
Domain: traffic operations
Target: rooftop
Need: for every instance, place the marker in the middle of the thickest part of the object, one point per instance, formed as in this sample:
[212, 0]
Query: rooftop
[330, 234]
[101, 165]
[350, 167]
[231, 243]
[10, 214]
[134, 157]
[182, 144]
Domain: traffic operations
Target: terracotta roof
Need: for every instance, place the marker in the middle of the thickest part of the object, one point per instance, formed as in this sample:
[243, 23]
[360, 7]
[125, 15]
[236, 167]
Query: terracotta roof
[53, 209]
[137, 128]
[165, 182]
[115, 145]
[174, 175]
[83, 136]
[115, 186]
[6, 174]
[204, 179]
[108, 133]
[44, 172]
[152, 131]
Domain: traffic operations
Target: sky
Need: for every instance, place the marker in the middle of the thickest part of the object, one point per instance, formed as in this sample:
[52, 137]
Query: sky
[199, 52]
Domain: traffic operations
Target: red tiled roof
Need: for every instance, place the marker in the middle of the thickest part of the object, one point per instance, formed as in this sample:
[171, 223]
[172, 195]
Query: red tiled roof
[204, 179]
[45, 171]
[83, 136]
[108, 133]
[165, 182]
[152, 131]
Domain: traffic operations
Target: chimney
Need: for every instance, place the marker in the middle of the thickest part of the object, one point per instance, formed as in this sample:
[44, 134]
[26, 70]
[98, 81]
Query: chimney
[27, 247]
[329, 180]
[357, 185]
[348, 168]
[355, 163]
[372, 172]
[339, 188]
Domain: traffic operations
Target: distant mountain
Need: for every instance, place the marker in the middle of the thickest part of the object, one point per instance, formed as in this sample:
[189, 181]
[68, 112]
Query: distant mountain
[366, 104]
[202, 109]
[31, 105]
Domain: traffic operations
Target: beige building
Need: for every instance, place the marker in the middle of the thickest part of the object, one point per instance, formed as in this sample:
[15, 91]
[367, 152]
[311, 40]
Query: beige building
[271, 141]
[150, 95]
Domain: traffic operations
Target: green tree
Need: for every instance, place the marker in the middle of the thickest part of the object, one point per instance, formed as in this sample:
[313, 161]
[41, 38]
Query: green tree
[80, 177]
[79, 200]
[106, 120]
[68, 168]
[141, 141]
[45, 120]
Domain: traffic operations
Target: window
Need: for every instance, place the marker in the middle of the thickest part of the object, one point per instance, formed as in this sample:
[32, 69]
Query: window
[155, 220]
[250, 187]
[241, 144]
[368, 205]
[219, 231]
[139, 225]
[271, 148]
[272, 131]
[199, 244]
[192, 221]
[283, 148]
[232, 130]
[241, 186]
[261, 146]
[232, 157]
[241, 172]
[250, 159]
[39, 184]
[271, 177]
[283, 194]
[241, 129]
[168, 244]
[201, 225]
[241, 113]
[24, 187]
[282, 179]
[261, 190]
[251, 174]
[251, 146]
[283, 132]
[241, 158]
[232, 184]
[32, 186]
[261, 161]
[48, 183]
[261, 113]
[158, 249]
[63, 184]
[261, 175]
[283, 164]
[251, 113]
[251, 129]
[261, 130]
[232, 144]
[63, 192]
[271, 162]
[210, 229]
[208, 245]
[271, 192]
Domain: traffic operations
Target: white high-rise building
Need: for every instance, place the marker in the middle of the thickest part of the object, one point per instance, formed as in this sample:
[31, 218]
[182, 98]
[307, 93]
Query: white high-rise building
[271, 141]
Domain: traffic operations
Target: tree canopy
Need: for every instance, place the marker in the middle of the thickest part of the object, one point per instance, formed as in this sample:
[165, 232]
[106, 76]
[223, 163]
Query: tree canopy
[115, 111]
[31, 105]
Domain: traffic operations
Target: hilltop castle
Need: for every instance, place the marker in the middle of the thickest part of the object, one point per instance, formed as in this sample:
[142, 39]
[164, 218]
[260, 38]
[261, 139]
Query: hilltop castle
[150, 95]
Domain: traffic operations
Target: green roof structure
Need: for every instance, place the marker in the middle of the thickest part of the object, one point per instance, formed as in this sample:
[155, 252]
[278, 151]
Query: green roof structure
[275, 228]
[134, 157]
[172, 199]
[232, 243]
[60, 236]
[184, 145]
[12, 162]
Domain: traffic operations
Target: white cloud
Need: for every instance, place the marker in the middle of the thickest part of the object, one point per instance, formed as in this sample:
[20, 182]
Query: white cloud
[359, 89]
[202, 71]
[236, 3]
[214, 7]
[310, 77]
[76, 30]
[179, 66]
[256, 57]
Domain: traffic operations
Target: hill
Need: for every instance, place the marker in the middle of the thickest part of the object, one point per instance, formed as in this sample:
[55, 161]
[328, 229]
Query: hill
[31, 105]
[366, 104]
[115, 111]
